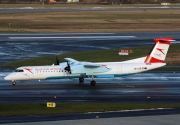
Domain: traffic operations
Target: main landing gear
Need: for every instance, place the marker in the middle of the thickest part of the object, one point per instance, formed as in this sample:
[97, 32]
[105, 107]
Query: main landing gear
[93, 82]
[13, 82]
[81, 80]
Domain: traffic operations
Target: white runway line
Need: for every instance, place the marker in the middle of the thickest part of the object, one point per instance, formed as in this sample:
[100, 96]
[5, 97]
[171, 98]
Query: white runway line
[74, 37]
[37, 34]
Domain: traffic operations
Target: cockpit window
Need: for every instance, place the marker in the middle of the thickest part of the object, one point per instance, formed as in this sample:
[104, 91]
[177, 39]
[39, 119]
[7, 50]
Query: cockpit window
[19, 70]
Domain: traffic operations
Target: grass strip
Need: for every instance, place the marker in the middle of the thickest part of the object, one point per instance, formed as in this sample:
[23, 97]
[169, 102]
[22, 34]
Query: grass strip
[36, 109]
[91, 21]
[173, 57]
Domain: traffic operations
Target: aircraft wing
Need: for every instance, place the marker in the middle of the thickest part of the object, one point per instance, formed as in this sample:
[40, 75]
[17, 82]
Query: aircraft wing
[85, 64]
[92, 65]
[87, 68]
[71, 60]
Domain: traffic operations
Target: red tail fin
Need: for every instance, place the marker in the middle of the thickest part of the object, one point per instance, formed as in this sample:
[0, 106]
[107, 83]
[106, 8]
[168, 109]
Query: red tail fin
[159, 51]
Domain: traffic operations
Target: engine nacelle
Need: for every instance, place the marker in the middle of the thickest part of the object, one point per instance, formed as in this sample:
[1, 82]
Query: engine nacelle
[80, 69]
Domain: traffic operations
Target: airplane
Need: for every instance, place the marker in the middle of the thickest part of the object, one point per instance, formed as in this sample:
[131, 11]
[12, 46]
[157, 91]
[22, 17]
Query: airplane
[78, 69]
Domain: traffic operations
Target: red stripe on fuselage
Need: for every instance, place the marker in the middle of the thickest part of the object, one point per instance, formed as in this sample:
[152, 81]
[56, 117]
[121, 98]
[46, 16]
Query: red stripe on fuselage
[29, 70]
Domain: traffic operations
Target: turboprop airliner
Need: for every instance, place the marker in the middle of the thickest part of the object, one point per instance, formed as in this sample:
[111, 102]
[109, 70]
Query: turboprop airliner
[78, 69]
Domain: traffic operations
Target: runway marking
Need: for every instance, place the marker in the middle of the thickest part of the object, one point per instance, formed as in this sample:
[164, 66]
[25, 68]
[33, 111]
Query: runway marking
[74, 37]
[53, 34]
[175, 42]
[152, 109]
[155, 7]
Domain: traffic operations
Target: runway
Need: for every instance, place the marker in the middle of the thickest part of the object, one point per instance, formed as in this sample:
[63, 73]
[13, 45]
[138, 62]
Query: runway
[104, 118]
[21, 46]
[42, 10]
[149, 87]
[161, 86]
[157, 87]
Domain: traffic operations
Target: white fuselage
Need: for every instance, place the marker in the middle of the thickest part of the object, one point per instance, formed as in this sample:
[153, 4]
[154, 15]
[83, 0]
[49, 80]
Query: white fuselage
[115, 69]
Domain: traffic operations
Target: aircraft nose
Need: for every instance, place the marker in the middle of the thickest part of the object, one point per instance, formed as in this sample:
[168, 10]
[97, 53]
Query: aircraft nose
[8, 77]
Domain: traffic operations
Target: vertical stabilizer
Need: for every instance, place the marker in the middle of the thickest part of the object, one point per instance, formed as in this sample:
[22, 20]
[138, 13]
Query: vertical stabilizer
[159, 51]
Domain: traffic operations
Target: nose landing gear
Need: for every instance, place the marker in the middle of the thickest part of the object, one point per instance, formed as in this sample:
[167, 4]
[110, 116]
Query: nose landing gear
[13, 82]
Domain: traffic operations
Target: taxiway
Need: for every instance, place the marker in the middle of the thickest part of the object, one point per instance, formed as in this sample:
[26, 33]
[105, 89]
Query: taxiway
[155, 87]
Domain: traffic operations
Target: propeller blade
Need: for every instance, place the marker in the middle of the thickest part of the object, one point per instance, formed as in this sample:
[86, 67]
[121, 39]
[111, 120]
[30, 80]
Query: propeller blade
[57, 61]
[68, 68]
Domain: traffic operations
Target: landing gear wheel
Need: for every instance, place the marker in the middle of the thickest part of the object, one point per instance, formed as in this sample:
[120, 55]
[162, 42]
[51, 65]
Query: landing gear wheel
[13, 83]
[93, 83]
[81, 80]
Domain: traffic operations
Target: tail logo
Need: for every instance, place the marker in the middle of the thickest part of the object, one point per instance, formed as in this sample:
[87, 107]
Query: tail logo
[158, 55]
[161, 50]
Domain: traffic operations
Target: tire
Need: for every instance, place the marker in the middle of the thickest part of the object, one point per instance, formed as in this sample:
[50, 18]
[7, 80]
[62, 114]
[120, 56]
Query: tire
[13, 83]
[81, 80]
[93, 83]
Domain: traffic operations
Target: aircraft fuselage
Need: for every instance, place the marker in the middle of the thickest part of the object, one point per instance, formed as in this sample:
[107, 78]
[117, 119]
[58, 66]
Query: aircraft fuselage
[115, 69]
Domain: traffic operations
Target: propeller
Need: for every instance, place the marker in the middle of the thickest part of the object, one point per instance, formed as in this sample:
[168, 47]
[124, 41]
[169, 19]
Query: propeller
[57, 61]
[68, 68]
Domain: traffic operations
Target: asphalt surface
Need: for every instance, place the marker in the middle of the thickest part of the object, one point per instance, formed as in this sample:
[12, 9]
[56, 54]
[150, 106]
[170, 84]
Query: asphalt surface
[119, 114]
[156, 87]
[42, 10]
[171, 119]
[140, 88]
[21, 46]
[151, 87]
